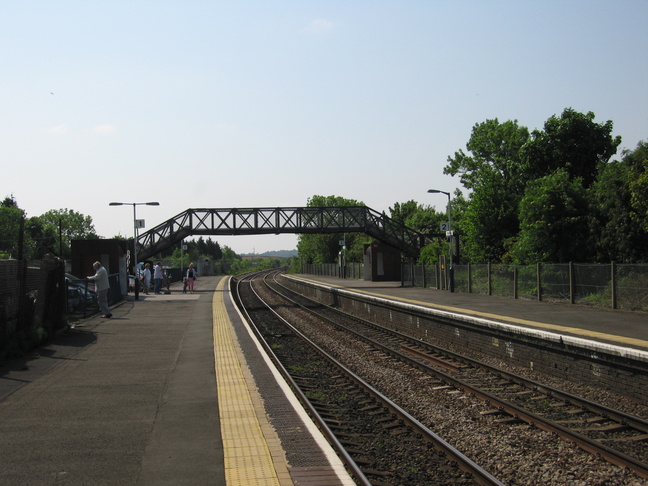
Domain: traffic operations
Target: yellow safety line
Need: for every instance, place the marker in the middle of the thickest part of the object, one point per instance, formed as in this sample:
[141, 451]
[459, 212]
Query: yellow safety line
[247, 458]
[543, 325]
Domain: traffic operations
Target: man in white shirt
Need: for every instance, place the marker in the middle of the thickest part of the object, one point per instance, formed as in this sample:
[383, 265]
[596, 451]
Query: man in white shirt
[158, 275]
[102, 286]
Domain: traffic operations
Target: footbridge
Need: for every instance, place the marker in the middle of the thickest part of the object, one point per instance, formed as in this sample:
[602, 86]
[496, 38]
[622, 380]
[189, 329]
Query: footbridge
[259, 221]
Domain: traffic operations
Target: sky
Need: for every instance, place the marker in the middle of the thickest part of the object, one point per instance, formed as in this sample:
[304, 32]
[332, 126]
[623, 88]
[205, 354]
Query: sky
[243, 104]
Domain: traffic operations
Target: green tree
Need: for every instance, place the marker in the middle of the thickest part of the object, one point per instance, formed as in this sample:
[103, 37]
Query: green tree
[495, 149]
[231, 262]
[70, 225]
[43, 238]
[202, 246]
[431, 252]
[213, 249]
[324, 248]
[616, 200]
[490, 221]
[573, 142]
[182, 258]
[355, 244]
[9, 202]
[426, 220]
[554, 221]
[493, 171]
[637, 161]
[10, 220]
[402, 211]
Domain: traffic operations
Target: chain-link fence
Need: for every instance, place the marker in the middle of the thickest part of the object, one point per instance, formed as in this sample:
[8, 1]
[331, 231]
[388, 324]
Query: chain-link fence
[38, 299]
[612, 286]
[350, 270]
[32, 303]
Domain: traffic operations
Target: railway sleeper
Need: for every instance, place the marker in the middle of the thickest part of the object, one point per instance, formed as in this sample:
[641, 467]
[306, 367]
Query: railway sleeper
[607, 428]
[540, 397]
[386, 418]
[392, 425]
[594, 420]
[634, 438]
[576, 411]
[559, 404]
[375, 472]
[510, 421]
[330, 418]
[340, 423]
[495, 411]
[523, 393]
[363, 462]
[339, 429]
[371, 408]
[377, 413]
[348, 442]
[324, 408]
[306, 386]
[489, 389]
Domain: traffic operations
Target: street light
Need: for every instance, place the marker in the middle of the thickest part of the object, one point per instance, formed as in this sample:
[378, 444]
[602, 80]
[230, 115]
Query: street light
[135, 226]
[450, 269]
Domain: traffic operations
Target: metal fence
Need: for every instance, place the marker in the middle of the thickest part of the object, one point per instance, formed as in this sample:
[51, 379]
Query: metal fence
[350, 270]
[612, 286]
[32, 303]
[38, 299]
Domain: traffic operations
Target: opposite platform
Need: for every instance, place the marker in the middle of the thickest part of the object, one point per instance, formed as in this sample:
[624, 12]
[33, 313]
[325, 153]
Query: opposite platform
[608, 327]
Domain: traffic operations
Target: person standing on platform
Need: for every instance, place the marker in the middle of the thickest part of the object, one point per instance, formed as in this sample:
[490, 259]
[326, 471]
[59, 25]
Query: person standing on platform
[191, 277]
[146, 278]
[158, 275]
[102, 286]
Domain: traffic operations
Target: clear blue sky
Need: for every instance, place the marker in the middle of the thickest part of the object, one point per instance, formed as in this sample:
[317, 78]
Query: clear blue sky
[219, 104]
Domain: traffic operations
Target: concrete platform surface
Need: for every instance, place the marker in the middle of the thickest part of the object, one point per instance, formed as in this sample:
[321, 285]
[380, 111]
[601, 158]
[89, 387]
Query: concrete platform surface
[129, 400]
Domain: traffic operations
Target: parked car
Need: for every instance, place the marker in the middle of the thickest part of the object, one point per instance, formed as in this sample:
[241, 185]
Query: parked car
[82, 283]
[74, 297]
[85, 290]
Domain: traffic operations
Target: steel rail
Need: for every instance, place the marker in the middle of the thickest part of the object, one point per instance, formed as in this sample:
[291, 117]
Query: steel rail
[464, 462]
[615, 415]
[592, 446]
[624, 418]
[346, 458]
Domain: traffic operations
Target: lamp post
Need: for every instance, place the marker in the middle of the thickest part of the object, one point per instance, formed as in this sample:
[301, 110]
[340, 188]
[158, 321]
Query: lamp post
[451, 268]
[135, 235]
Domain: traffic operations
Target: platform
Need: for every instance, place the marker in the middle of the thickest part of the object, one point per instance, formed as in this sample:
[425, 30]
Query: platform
[614, 327]
[172, 390]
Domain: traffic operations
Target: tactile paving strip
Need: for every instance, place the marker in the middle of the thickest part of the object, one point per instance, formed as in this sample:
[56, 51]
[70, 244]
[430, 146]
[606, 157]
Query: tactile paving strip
[248, 460]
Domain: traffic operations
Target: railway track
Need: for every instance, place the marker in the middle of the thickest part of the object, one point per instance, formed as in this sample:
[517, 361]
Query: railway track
[381, 443]
[619, 437]
[513, 401]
